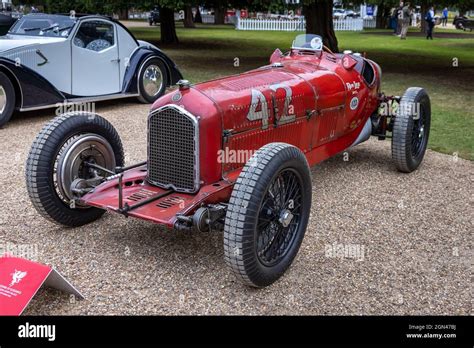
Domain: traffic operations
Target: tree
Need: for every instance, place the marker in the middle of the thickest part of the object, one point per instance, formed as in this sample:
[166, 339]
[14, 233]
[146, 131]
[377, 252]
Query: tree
[167, 26]
[319, 20]
[120, 7]
[463, 5]
[220, 9]
[198, 17]
[188, 17]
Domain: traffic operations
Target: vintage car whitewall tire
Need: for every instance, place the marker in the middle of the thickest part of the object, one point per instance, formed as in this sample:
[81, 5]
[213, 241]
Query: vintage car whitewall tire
[411, 130]
[7, 99]
[57, 157]
[267, 215]
[152, 80]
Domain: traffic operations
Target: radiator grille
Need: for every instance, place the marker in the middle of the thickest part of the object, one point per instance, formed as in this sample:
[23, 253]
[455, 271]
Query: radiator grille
[173, 149]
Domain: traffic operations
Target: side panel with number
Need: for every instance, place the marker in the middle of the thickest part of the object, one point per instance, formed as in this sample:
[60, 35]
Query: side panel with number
[279, 113]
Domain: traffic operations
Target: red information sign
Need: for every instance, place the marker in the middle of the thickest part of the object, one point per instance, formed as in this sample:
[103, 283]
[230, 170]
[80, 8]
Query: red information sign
[20, 279]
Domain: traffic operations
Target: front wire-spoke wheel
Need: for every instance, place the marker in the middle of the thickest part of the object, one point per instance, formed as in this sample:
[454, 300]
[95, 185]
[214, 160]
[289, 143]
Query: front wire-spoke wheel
[267, 215]
[279, 217]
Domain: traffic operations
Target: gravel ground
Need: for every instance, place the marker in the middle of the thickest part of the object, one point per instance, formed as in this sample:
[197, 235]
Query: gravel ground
[408, 241]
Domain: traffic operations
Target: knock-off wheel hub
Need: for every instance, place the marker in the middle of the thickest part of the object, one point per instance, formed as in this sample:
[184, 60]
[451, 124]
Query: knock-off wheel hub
[285, 217]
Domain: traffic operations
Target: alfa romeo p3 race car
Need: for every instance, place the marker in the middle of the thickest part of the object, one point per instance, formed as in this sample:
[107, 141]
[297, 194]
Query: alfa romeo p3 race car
[303, 108]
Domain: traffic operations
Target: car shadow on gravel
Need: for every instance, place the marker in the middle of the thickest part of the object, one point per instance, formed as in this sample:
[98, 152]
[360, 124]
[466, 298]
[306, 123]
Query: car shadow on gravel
[359, 157]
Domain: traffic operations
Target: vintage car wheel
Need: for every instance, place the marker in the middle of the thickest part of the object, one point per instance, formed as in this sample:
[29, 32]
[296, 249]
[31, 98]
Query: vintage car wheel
[152, 80]
[57, 158]
[7, 99]
[267, 214]
[411, 130]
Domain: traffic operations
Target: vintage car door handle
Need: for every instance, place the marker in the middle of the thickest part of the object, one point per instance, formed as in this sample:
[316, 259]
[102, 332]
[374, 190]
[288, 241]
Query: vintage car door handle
[115, 60]
[39, 53]
[311, 113]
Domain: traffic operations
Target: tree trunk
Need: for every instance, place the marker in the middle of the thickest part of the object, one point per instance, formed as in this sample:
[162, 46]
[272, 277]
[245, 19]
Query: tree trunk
[219, 15]
[424, 10]
[123, 14]
[168, 29]
[318, 16]
[188, 17]
[198, 17]
[381, 18]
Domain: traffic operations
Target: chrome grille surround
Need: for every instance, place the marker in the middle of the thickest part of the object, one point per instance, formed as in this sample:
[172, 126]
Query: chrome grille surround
[173, 149]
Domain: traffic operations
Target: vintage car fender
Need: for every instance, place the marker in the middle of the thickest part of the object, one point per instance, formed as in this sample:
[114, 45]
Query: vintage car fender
[32, 88]
[144, 52]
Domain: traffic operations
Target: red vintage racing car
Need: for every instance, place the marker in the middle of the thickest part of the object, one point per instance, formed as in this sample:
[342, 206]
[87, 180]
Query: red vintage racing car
[231, 154]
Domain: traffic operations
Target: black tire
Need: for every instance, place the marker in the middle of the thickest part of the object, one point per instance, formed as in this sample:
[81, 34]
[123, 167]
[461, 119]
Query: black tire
[10, 99]
[410, 130]
[58, 134]
[251, 205]
[145, 97]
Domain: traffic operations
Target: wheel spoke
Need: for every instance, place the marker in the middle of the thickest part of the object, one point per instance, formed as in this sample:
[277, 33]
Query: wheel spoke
[278, 219]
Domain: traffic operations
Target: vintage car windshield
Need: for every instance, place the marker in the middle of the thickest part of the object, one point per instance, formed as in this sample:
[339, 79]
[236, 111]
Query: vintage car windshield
[44, 25]
[308, 42]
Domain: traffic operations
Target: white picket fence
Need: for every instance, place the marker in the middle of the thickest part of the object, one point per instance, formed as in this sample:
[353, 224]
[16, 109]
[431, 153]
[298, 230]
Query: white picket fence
[353, 24]
[207, 18]
[349, 24]
[370, 23]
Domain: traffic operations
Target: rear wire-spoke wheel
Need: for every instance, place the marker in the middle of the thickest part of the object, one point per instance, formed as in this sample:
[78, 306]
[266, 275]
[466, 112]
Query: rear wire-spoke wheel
[411, 130]
[268, 214]
[59, 157]
[152, 80]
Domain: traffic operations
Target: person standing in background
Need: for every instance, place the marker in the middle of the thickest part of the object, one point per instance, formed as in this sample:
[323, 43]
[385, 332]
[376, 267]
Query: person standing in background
[430, 22]
[406, 19]
[444, 19]
[394, 20]
[399, 18]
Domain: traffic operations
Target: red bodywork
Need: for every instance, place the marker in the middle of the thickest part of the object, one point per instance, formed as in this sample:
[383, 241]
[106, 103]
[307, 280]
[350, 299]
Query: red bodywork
[316, 102]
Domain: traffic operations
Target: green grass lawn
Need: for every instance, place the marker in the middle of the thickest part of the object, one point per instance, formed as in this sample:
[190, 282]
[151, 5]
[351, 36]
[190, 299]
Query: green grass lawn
[210, 51]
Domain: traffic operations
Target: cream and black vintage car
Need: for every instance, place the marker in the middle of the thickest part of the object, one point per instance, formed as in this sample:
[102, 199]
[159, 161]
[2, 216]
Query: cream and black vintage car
[49, 59]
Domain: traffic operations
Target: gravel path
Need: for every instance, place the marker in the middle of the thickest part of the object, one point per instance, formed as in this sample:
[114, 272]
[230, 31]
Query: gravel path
[406, 241]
